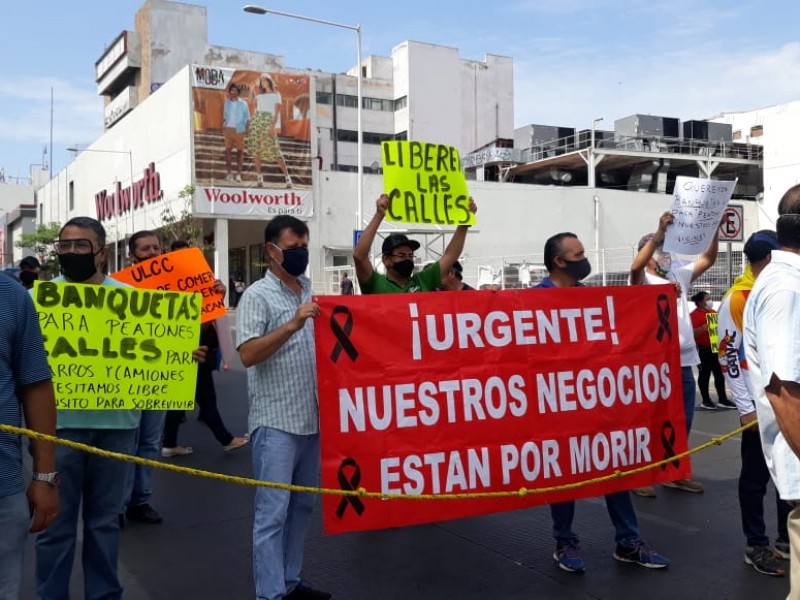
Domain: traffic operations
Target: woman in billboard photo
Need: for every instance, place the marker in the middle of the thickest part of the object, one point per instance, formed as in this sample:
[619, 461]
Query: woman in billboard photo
[262, 138]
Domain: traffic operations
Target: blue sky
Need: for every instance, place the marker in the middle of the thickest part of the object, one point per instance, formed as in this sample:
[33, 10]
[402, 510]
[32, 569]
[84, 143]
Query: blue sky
[575, 60]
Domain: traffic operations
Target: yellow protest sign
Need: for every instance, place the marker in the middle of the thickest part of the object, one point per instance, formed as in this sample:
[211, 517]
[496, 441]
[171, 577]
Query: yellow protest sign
[711, 320]
[118, 348]
[425, 184]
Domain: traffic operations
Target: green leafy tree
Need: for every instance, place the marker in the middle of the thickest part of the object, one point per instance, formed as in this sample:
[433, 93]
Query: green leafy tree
[183, 226]
[41, 243]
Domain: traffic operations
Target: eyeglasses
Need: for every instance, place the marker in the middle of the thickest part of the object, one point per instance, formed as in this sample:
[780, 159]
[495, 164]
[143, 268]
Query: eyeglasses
[81, 246]
[403, 256]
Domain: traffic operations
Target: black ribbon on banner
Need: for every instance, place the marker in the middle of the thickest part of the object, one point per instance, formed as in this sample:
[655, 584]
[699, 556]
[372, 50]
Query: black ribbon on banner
[664, 310]
[668, 441]
[349, 484]
[342, 334]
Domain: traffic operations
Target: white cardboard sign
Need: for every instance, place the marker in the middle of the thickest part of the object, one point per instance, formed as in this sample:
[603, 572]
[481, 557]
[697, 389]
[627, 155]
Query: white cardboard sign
[698, 205]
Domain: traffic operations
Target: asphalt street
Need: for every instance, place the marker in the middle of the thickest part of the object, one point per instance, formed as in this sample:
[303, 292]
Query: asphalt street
[202, 550]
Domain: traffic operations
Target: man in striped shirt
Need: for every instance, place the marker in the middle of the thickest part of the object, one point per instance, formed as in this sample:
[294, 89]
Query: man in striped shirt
[275, 339]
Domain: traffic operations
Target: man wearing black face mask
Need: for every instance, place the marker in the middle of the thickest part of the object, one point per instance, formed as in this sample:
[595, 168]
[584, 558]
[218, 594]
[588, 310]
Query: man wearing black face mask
[275, 339]
[566, 264]
[96, 483]
[398, 258]
[565, 261]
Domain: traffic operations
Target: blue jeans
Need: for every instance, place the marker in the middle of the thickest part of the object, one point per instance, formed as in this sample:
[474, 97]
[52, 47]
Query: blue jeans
[753, 480]
[100, 483]
[281, 517]
[620, 509]
[148, 445]
[15, 518]
[689, 395]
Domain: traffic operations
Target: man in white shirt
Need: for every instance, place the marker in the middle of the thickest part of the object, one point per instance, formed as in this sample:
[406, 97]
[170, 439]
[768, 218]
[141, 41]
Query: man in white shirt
[754, 475]
[772, 346]
[654, 266]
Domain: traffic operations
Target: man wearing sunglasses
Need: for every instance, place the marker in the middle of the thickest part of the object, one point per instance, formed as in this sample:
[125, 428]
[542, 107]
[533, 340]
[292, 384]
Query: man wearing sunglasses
[90, 486]
[398, 258]
[98, 483]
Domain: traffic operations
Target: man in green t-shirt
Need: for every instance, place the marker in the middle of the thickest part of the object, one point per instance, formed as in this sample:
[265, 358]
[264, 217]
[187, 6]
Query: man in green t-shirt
[398, 258]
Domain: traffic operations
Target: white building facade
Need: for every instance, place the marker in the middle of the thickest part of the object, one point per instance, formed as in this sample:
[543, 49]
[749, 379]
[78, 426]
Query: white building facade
[776, 128]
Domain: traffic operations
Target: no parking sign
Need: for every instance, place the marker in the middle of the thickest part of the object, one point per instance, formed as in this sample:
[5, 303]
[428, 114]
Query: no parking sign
[731, 228]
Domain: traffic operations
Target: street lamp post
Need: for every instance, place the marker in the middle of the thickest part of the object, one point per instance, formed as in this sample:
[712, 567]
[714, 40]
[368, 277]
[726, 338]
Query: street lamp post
[260, 10]
[116, 209]
[592, 159]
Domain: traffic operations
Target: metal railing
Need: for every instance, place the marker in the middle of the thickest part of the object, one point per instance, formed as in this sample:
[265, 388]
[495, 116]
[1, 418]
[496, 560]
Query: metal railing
[659, 144]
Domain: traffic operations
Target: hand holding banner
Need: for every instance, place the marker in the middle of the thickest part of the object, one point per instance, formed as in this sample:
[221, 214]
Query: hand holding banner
[425, 184]
[181, 271]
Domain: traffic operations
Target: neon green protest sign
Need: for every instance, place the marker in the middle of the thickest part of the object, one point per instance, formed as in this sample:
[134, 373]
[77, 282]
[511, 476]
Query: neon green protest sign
[113, 348]
[713, 335]
[425, 184]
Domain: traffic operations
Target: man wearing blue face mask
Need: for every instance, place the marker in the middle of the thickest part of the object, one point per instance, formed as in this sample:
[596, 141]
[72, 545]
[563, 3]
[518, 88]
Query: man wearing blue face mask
[275, 339]
[654, 266]
[566, 263]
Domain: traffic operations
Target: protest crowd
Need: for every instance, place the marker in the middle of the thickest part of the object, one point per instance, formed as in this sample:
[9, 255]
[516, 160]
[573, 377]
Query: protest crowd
[279, 333]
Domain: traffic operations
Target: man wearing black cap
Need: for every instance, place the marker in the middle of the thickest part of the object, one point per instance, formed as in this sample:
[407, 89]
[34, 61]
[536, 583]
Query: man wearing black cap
[754, 474]
[398, 258]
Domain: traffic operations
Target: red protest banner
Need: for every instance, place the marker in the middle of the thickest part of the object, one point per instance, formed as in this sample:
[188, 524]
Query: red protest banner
[180, 271]
[449, 393]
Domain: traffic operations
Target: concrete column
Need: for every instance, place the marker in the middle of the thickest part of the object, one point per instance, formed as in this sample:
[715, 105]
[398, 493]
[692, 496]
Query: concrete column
[221, 253]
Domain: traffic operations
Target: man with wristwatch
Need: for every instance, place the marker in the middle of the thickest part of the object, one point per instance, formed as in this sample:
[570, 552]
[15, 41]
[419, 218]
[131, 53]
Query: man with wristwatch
[26, 387]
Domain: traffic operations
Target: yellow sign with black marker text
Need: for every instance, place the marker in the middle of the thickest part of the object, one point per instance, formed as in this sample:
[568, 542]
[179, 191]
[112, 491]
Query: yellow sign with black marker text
[711, 321]
[425, 184]
[114, 347]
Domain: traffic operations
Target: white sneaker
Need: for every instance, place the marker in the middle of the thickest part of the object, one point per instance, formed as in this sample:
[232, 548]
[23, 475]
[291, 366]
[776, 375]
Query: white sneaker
[229, 177]
[259, 181]
[289, 181]
[177, 451]
[238, 177]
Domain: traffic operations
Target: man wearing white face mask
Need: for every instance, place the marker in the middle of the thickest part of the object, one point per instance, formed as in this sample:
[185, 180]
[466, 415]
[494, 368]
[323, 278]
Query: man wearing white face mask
[709, 362]
[654, 266]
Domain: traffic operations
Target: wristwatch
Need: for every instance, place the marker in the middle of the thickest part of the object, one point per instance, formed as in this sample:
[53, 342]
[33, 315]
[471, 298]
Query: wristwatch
[51, 478]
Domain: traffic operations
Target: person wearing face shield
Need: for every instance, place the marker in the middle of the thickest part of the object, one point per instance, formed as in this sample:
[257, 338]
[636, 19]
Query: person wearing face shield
[398, 258]
[566, 264]
[275, 340]
[709, 363]
[653, 266]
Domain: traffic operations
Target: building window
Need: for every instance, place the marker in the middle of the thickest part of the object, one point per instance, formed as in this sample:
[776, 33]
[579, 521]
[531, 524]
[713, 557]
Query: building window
[324, 98]
[376, 138]
[737, 135]
[346, 135]
[72, 195]
[401, 103]
[757, 131]
[346, 100]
